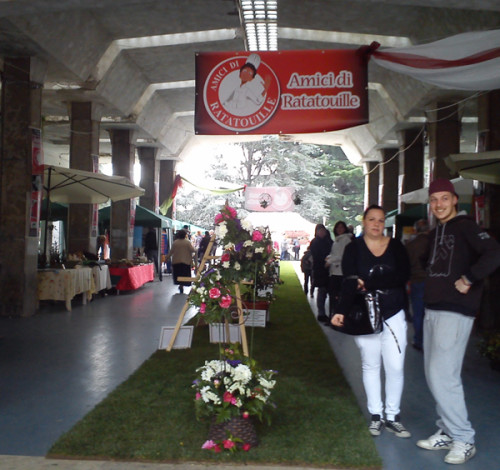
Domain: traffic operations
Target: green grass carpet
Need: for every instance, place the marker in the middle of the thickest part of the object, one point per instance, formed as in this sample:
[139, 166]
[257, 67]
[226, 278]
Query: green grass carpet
[317, 422]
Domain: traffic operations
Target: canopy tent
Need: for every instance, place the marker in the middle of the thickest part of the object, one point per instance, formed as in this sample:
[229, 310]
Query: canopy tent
[463, 187]
[143, 217]
[70, 186]
[482, 166]
[67, 185]
[57, 211]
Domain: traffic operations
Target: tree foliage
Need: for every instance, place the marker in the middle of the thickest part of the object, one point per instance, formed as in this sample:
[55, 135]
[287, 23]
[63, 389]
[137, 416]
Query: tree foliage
[329, 187]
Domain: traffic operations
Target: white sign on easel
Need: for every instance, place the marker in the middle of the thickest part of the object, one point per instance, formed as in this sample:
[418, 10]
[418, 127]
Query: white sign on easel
[182, 340]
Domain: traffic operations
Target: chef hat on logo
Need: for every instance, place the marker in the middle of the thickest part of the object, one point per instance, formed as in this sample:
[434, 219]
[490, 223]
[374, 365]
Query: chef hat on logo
[253, 59]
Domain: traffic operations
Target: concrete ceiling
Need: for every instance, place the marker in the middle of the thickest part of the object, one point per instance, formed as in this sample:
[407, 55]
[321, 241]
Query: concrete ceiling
[135, 60]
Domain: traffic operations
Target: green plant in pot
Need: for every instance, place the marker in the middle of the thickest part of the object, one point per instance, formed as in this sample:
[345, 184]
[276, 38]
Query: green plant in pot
[489, 347]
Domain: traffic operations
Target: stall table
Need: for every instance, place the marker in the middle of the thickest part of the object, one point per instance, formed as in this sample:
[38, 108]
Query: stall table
[102, 278]
[133, 277]
[64, 284]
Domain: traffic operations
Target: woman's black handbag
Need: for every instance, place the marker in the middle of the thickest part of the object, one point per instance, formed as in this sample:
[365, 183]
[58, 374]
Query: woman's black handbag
[364, 317]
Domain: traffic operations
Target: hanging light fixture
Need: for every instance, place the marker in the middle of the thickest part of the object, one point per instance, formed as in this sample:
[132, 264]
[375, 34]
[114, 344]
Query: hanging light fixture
[260, 23]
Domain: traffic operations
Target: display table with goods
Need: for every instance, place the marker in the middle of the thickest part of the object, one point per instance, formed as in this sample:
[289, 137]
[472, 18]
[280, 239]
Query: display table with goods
[102, 278]
[65, 284]
[130, 276]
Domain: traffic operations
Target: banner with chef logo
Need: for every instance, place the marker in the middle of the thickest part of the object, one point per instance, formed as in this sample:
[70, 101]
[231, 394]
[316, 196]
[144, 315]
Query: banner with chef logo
[283, 92]
[269, 199]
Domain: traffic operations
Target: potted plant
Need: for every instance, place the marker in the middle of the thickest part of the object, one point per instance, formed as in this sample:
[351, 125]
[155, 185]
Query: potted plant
[231, 391]
[489, 347]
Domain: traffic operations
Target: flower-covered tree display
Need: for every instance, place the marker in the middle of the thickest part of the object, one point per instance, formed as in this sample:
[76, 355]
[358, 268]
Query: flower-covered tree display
[248, 255]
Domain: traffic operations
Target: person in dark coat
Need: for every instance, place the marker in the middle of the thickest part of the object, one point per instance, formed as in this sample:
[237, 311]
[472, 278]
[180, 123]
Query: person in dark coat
[151, 250]
[203, 246]
[320, 248]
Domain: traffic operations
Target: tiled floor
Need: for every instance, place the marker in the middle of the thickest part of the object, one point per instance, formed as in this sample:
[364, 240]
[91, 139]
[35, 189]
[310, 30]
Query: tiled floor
[57, 365]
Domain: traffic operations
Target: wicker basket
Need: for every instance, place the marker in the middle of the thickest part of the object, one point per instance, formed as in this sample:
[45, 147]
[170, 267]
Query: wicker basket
[237, 427]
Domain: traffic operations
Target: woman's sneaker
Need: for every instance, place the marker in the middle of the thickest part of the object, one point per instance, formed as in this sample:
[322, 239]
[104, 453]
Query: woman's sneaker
[438, 441]
[460, 452]
[397, 428]
[376, 425]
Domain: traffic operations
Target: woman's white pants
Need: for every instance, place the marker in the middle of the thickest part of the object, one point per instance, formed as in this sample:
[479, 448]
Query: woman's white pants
[382, 349]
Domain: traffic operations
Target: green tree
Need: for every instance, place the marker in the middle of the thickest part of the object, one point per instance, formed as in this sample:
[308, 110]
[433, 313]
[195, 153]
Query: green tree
[326, 183]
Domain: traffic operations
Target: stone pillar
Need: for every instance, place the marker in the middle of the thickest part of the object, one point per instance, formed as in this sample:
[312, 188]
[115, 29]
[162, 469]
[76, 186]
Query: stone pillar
[83, 155]
[123, 158]
[489, 139]
[150, 171]
[371, 170]
[22, 80]
[411, 163]
[389, 180]
[167, 178]
[444, 138]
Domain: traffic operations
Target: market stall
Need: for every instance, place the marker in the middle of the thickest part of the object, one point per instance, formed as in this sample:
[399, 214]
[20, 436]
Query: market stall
[65, 284]
[131, 277]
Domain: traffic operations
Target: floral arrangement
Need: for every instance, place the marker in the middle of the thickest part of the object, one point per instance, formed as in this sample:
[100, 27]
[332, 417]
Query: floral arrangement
[214, 299]
[248, 255]
[232, 386]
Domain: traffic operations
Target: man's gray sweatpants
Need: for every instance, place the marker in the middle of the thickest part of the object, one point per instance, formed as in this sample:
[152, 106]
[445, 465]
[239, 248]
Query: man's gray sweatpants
[446, 335]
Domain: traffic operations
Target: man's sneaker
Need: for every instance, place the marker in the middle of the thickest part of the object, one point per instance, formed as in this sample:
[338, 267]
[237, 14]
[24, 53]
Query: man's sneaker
[397, 428]
[376, 425]
[438, 441]
[460, 452]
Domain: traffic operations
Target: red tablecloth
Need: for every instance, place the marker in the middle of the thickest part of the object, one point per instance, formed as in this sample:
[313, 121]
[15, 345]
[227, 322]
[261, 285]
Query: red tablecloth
[132, 278]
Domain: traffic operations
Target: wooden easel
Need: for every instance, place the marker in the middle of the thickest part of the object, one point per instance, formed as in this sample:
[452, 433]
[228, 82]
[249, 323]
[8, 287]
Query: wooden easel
[185, 308]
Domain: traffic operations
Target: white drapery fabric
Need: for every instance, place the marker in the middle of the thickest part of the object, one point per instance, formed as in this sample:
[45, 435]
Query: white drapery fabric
[468, 61]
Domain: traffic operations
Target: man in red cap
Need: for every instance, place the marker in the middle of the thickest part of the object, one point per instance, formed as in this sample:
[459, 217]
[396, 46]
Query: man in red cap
[461, 255]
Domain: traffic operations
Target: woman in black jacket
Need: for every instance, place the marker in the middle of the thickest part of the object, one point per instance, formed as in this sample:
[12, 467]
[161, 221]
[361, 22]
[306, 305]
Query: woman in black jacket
[320, 248]
[375, 262]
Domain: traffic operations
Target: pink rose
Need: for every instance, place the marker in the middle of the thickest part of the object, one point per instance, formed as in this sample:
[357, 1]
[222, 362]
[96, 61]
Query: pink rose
[232, 212]
[217, 448]
[214, 293]
[257, 236]
[226, 301]
[228, 398]
[225, 257]
[246, 447]
[228, 444]
[198, 395]
[245, 415]
[203, 307]
[208, 445]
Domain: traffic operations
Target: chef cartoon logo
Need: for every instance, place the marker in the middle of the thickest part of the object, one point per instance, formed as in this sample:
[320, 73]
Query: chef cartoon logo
[241, 93]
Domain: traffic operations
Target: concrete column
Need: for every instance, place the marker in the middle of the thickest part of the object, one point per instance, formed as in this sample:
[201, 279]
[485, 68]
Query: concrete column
[411, 163]
[22, 80]
[371, 170]
[444, 138]
[167, 178]
[150, 172]
[389, 180]
[123, 158]
[83, 155]
[489, 137]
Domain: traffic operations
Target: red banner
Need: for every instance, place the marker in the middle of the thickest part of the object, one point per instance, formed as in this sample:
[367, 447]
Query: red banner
[36, 181]
[280, 92]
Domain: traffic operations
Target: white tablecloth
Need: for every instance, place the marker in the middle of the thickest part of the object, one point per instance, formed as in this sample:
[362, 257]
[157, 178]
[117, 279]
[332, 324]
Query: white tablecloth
[64, 284]
[102, 279]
